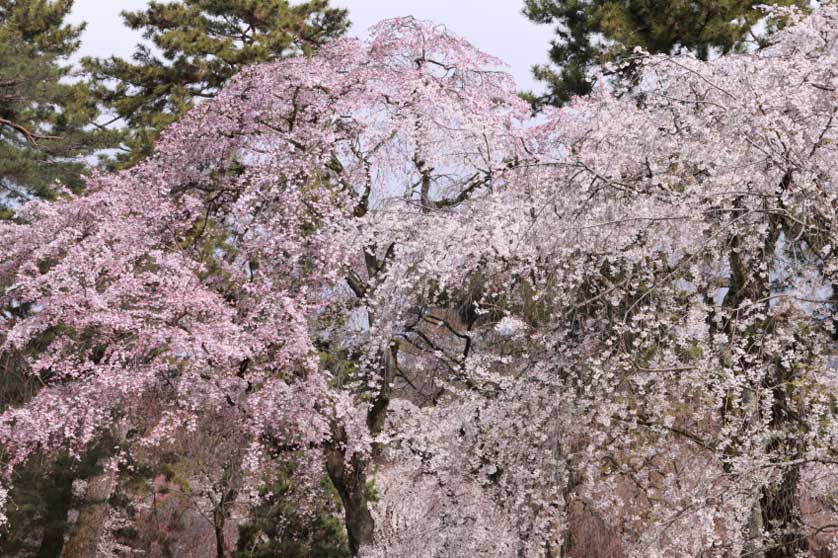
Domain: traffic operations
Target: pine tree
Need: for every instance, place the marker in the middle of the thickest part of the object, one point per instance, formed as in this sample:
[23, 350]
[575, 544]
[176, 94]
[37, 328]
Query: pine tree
[196, 46]
[47, 118]
[279, 526]
[590, 33]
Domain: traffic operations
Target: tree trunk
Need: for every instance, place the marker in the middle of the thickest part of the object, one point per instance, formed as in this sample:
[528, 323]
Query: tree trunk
[753, 548]
[59, 488]
[780, 502]
[218, 525]
[781, 512]
[350, 479]
[351, 484]
[777, 511]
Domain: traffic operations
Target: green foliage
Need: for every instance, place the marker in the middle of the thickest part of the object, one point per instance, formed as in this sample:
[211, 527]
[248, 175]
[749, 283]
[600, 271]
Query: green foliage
[590, 33]
[279, 528]
[342, 364]
[197, 45]
[371, 490]
[47, 120]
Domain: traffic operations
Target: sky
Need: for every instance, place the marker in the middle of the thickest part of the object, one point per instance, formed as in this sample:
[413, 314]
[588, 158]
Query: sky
[495, 26]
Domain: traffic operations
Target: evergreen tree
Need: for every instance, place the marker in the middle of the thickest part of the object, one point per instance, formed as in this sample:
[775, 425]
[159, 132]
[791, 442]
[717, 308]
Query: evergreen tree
[47, 119]
[590, 33]
[196, 46]
[279, 526]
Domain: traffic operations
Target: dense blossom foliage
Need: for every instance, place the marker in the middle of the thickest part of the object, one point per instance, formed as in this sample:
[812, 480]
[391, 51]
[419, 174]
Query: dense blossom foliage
[623, 309]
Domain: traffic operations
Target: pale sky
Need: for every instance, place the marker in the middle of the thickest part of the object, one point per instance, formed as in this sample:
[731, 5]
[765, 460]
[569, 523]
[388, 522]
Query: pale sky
[495, 26]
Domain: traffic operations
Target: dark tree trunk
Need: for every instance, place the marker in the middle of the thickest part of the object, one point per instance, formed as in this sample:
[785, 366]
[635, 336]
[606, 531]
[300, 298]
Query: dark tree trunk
[349, 475]
[781, 514]
[777, 511]
[781, 502]
[351, 484]
[58, 500]
[218, 525]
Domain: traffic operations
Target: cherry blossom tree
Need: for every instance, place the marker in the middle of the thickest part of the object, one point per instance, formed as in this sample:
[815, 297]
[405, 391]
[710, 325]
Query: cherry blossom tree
[209, 275]
[664, 259]
[373, 257]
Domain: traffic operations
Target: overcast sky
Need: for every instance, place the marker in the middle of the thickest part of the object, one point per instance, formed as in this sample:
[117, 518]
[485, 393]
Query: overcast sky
[496, 26]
